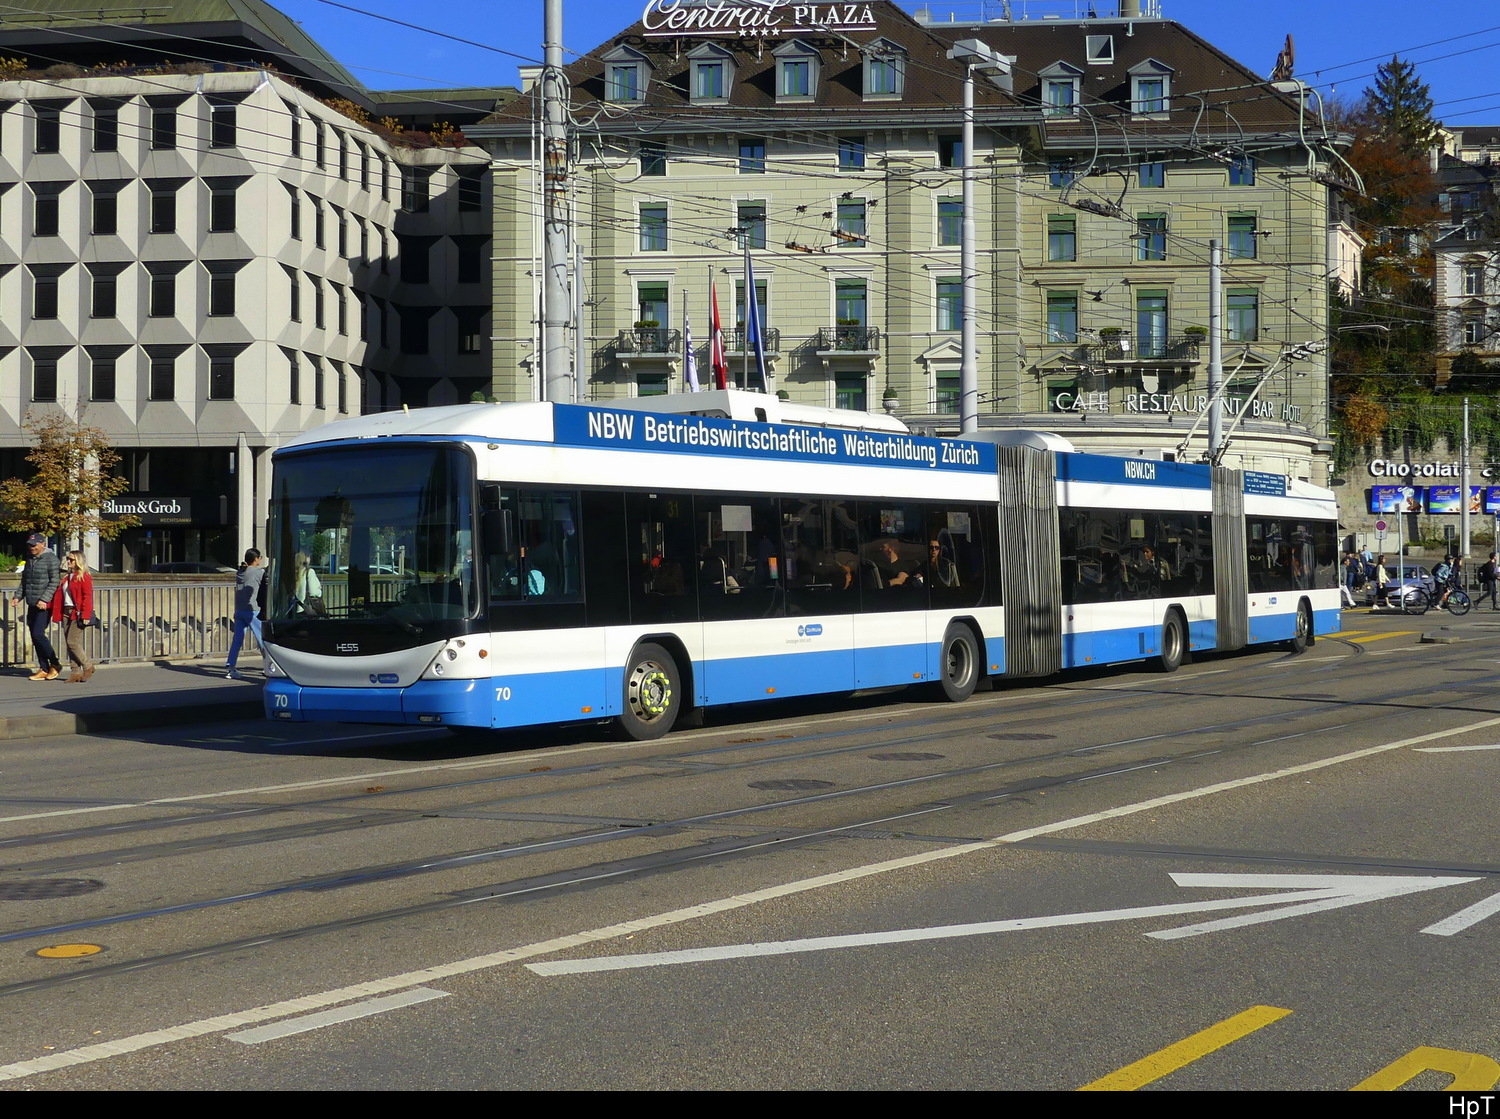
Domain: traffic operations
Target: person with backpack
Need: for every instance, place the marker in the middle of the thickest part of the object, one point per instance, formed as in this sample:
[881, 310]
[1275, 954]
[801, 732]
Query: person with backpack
[1487, 579]
[1444, 576]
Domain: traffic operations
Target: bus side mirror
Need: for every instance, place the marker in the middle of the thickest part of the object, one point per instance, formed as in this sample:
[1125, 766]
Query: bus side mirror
[495, 530]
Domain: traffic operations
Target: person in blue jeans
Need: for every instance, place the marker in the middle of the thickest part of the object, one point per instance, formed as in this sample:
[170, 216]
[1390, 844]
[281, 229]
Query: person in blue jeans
[246, 607]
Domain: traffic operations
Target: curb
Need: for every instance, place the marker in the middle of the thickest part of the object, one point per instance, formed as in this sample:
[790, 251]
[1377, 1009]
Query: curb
[100, 722]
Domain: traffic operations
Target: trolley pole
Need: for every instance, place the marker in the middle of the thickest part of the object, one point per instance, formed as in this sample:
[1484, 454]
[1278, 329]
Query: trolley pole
[968, 369]
[1463, 494]
[1215, 349]
[556, 263]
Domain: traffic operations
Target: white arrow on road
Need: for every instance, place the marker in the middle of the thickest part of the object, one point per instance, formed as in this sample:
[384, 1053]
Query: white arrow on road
[1304, 893]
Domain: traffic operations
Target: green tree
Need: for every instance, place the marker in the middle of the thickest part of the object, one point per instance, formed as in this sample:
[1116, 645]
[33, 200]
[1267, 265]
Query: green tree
[74, 478]
[1400, 106]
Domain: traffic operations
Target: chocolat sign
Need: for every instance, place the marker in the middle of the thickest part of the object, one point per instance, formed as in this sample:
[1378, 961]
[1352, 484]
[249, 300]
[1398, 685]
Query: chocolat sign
[752, 17]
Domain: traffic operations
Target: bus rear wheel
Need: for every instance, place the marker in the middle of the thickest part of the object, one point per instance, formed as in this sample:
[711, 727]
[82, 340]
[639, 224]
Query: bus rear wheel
[653, 694]
[1173, 643]
[1303, 635]
[958, 665]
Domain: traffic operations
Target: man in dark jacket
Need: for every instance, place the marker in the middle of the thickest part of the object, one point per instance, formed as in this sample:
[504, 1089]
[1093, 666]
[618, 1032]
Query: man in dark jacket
[39, 582]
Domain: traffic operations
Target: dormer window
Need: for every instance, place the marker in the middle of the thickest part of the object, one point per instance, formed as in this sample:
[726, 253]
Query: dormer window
[796, 71]
[1150, 88]
[626, 74]
[1060, 84]
[712, 75]
[885, 71]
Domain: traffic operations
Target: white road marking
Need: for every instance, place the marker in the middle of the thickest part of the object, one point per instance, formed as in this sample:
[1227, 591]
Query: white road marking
[1464, 918]
[219, 1023]
[333, 1017]
[1311, 892]
[1453, 749]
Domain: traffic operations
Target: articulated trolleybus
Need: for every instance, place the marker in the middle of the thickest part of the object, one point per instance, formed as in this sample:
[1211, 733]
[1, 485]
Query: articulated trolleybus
[506, 565]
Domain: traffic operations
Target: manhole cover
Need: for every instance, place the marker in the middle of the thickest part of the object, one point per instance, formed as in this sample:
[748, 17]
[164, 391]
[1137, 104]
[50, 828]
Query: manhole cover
[899, 756]
[1022, 736]
[792, 783]
[39, 888]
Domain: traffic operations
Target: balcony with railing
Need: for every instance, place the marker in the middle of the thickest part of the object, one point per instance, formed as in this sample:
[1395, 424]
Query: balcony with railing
[735, 342]
[1126, 348]
[650, 341]
[847, 339]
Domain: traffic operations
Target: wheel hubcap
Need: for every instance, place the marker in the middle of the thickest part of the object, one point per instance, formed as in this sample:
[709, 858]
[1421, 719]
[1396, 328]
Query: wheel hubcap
[960, 664]
[650, 691]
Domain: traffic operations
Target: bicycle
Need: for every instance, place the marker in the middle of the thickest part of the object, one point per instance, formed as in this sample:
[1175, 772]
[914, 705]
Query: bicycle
[1417, 601]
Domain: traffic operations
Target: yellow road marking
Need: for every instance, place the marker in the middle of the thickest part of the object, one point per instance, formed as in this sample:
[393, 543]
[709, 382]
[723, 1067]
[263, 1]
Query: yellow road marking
[1471, 1072]
[1383, 636]
[1186, 1051]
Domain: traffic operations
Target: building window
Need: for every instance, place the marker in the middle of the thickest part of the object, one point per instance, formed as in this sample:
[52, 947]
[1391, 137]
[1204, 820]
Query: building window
[340, 232]
[950, 151]
[1473, 279]
[653, 155]
[342, 387]
[102, 295]
[796, 71]
[294, 199]
[850, 302]
[102, 376]
[1061, 174]
[106, 124]
[470, 329]
[221, 289]
[1062, 316]
[163, 207]
[163, 127]
[43, 378]
[885, 71]
[1060, 90]
[1062, 237]
[708, 81]
[294, 129]
[470, 191]
[1243, 323]
[416, 189]
[104, 219]
[1153, 175]
[947, 392]
[950, 221]
[48, 119]
[414, 330]
[343, 146]
[163, 377]
[221, 205]
[364, 175]
[851, 153]
[752, 157]
[317, 367]
[651, 305]
[471, 251]
[319, 306]
[1151, 323]
[1242, 171]
[46, 208]
[653, 229]
[340, 307]
[317, 143]
[950, 304]
[762, 305]
[1151, 237]
[364, 240]
[751, 221]
[44, 291]
[294, 294]
[623, 82]
[220, 377]
[1474, 332]
[851, 224]
[162, 300]
[223, 123]
[319, 226]
[849, 392]
[414, 255]
[1242, 236]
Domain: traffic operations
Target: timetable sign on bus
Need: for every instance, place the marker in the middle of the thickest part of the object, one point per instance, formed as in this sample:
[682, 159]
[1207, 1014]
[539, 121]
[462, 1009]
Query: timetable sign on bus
[702, 435]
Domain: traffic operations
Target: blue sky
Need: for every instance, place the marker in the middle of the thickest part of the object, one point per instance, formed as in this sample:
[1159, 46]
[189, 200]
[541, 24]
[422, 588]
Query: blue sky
[1331, 38]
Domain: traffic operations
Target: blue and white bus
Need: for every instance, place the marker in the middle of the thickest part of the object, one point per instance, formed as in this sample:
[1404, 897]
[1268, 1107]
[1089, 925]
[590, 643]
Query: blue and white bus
[505, 565]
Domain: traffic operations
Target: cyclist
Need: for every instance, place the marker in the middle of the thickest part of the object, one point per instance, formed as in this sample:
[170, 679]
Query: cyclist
[1445, 575]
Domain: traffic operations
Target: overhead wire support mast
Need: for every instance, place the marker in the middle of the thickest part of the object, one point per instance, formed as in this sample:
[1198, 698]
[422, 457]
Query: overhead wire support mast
[557, 371]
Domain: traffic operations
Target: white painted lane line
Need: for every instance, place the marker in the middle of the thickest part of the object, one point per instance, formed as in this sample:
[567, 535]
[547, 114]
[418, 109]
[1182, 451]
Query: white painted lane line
[1464, 918]
[1453, 749]
[333, 1017]
[219, 1023]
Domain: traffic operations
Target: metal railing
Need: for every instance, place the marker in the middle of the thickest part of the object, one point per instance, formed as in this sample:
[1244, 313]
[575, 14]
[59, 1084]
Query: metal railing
[852, 339]
[138, 622]
[734, 340]
[1124, 346]
[649, 340]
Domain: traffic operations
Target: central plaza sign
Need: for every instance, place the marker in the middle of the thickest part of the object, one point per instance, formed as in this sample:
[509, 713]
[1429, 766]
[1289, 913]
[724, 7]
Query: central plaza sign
[763, 17]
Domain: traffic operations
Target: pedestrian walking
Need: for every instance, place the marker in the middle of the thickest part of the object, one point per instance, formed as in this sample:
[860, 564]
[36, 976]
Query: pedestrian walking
[1489, 574]
[39, 581]
[1382, 582]
[73, 606]
[247, 596]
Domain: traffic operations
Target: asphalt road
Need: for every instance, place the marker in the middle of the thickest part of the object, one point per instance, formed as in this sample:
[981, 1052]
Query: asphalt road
[1262, 872]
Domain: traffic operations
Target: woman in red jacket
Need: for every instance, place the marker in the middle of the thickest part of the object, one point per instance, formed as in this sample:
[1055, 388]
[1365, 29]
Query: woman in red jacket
[73, 606]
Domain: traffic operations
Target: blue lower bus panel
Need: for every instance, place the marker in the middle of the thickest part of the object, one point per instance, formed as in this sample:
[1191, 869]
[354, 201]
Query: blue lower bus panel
[465, 703]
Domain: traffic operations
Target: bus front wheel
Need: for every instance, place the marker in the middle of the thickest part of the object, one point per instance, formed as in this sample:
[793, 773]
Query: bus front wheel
[1302, 635]
[959, 664]
[653, 694]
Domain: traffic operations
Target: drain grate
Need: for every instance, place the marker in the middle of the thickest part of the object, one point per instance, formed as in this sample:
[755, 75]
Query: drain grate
[906, 756]
[1022, 736]
[792, 783]
[38, 889]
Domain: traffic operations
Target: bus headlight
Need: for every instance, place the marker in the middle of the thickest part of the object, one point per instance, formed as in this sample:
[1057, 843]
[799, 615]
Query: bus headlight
[272, 668]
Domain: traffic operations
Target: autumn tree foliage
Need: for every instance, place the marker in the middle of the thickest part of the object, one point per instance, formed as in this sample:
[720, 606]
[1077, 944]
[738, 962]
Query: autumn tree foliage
[74, 477]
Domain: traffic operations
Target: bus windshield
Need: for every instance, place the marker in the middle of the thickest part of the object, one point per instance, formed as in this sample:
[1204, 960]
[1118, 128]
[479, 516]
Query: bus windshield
[381, 533]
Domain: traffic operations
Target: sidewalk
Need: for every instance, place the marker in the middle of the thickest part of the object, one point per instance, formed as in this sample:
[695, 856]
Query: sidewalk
[127, 697]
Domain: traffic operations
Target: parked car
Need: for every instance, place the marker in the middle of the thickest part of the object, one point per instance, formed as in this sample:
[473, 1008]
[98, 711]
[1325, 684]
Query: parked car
[1409, 576]
[190, 567]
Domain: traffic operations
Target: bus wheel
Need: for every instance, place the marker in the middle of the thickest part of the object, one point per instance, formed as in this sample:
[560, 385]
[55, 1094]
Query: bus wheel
[1173, 642]
[1302, 638]
[959, 664]
[653, 694]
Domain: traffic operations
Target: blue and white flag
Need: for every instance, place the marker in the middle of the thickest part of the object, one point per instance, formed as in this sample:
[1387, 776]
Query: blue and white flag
[689, 361]
[754, 332]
